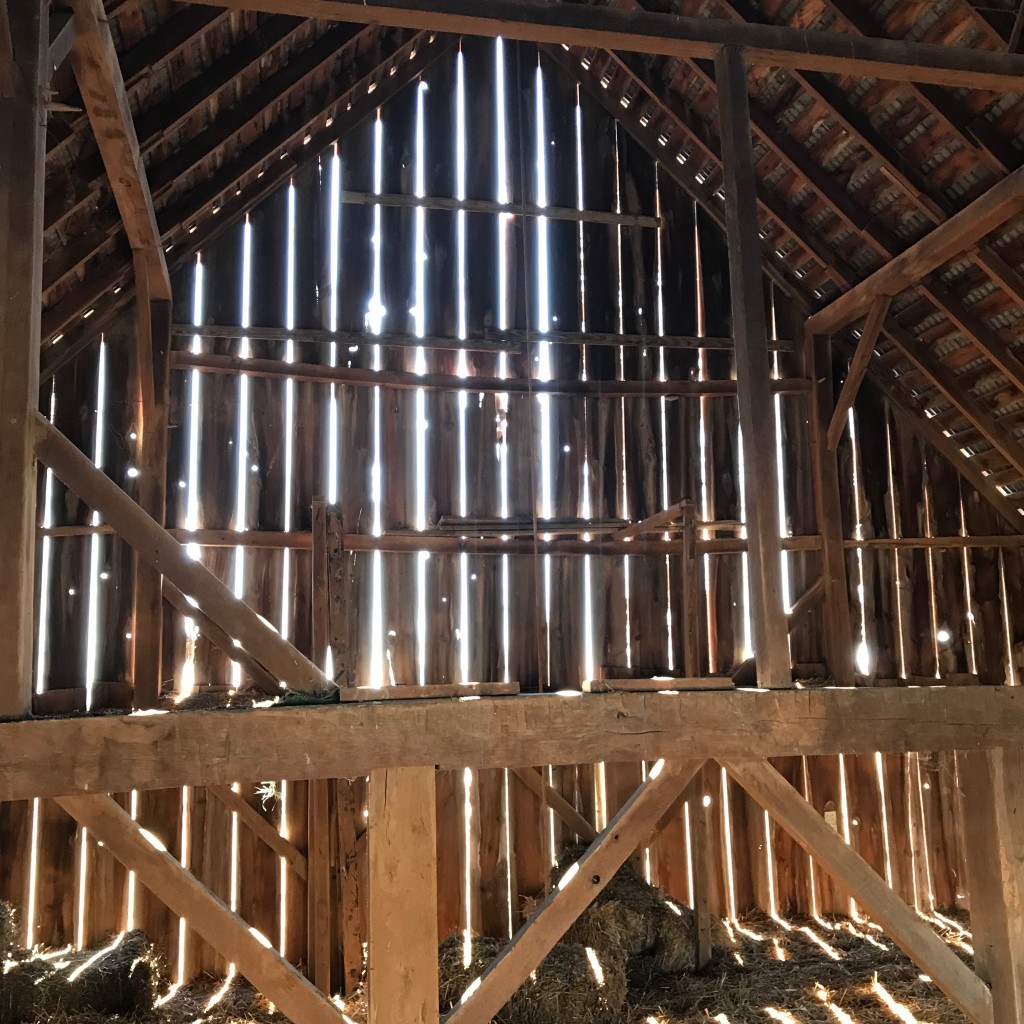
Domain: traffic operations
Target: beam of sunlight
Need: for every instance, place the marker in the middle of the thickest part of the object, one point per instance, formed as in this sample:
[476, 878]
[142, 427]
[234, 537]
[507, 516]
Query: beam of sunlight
[96, 541]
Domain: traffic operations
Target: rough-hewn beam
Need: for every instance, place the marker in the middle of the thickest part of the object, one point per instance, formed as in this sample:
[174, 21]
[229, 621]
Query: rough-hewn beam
[674, 36]
[62, 35]
[99, 79]
[22, 135]
[956, 235]
[202, 748]
[753, 372]
[160, 550]
[207, 914]
[902, 924]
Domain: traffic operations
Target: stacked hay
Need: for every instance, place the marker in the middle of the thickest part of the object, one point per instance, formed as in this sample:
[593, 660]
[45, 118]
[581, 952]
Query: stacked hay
[631, 917]
[573, 983]
[122, 978]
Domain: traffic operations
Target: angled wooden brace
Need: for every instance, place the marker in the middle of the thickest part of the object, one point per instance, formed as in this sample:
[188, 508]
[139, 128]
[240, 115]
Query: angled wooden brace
[902, 924]
[575, 892]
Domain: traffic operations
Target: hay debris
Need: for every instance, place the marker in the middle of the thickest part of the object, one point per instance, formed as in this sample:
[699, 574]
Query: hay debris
[572, 986]
[122, 979]
[8, 928]
[631, 917]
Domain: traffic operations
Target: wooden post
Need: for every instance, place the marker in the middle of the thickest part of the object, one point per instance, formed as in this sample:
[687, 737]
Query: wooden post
[153, 368]
[22, 179]
[828, 513]
[402, 954]
[994, 790]
[753, 372]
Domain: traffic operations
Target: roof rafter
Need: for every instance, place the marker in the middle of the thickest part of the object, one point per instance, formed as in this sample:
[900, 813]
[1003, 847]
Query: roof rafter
[672, 36]
[99, 78]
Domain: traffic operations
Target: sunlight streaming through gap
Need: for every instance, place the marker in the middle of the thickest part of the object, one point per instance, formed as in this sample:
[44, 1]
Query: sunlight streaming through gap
[419, 311]
[863, 654]
[374, 323]
[243, 467]
[96, 541]
[45, 558]
[188, 670]
[334, 269]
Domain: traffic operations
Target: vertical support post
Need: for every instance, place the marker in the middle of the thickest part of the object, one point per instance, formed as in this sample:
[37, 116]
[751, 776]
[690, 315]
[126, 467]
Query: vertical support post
[993, 784]
[153, 367]
[691, 592]
[828, 512]
[402, 954]
[22, 179]
[702, 853]
[318, 881]
[753, 372]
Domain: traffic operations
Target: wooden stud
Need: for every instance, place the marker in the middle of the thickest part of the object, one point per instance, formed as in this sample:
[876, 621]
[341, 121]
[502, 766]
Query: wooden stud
[675, 36]
[858, 369]
[164, 554]
[753, 372]
[839, 648]
[574, 893]
[210, 917]
[847, 867]
[993, 784]
[402, 940]
[22, 181]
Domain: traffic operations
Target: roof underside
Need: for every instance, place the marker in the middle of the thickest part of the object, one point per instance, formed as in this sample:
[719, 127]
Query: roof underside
[852, 171]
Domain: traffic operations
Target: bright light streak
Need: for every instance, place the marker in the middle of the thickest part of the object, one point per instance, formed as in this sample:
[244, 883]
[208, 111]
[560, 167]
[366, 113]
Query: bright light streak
[96, 541]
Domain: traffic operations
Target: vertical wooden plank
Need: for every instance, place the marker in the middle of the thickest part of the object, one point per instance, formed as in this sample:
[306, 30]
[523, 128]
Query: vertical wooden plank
[318, 879]
[402, 953]
[994, 788]
[153, 369]
[752, 372]
[22, 131]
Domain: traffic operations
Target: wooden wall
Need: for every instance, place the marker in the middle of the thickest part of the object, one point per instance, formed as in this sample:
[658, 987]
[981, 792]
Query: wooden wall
[487, 617]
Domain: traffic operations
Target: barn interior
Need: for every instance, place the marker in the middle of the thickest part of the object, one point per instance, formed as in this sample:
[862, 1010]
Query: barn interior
[516, 511]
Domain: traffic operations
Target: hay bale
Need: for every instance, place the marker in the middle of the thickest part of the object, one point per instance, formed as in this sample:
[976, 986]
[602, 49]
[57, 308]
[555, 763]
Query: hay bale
[631, 917]
[123, 979]
[572, 984]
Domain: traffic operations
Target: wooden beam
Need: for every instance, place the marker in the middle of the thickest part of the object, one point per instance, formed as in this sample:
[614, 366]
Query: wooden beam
[902, 924]
[273, 369]
[1002, 201]
[260, 677]
[401, 956]
[753, 372]
[62, 36]
[159, 550]
[575, 892]
[858, 369]
[993, 785]
[22, 182]
[551, 798]
[839, 645]
[435, 691]
[203, 748]
[805, 602]
[152, 355]
[261, 828]
[254, 956]
[673, 36]
[8, 69]
[99, 79]
[655, 523]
